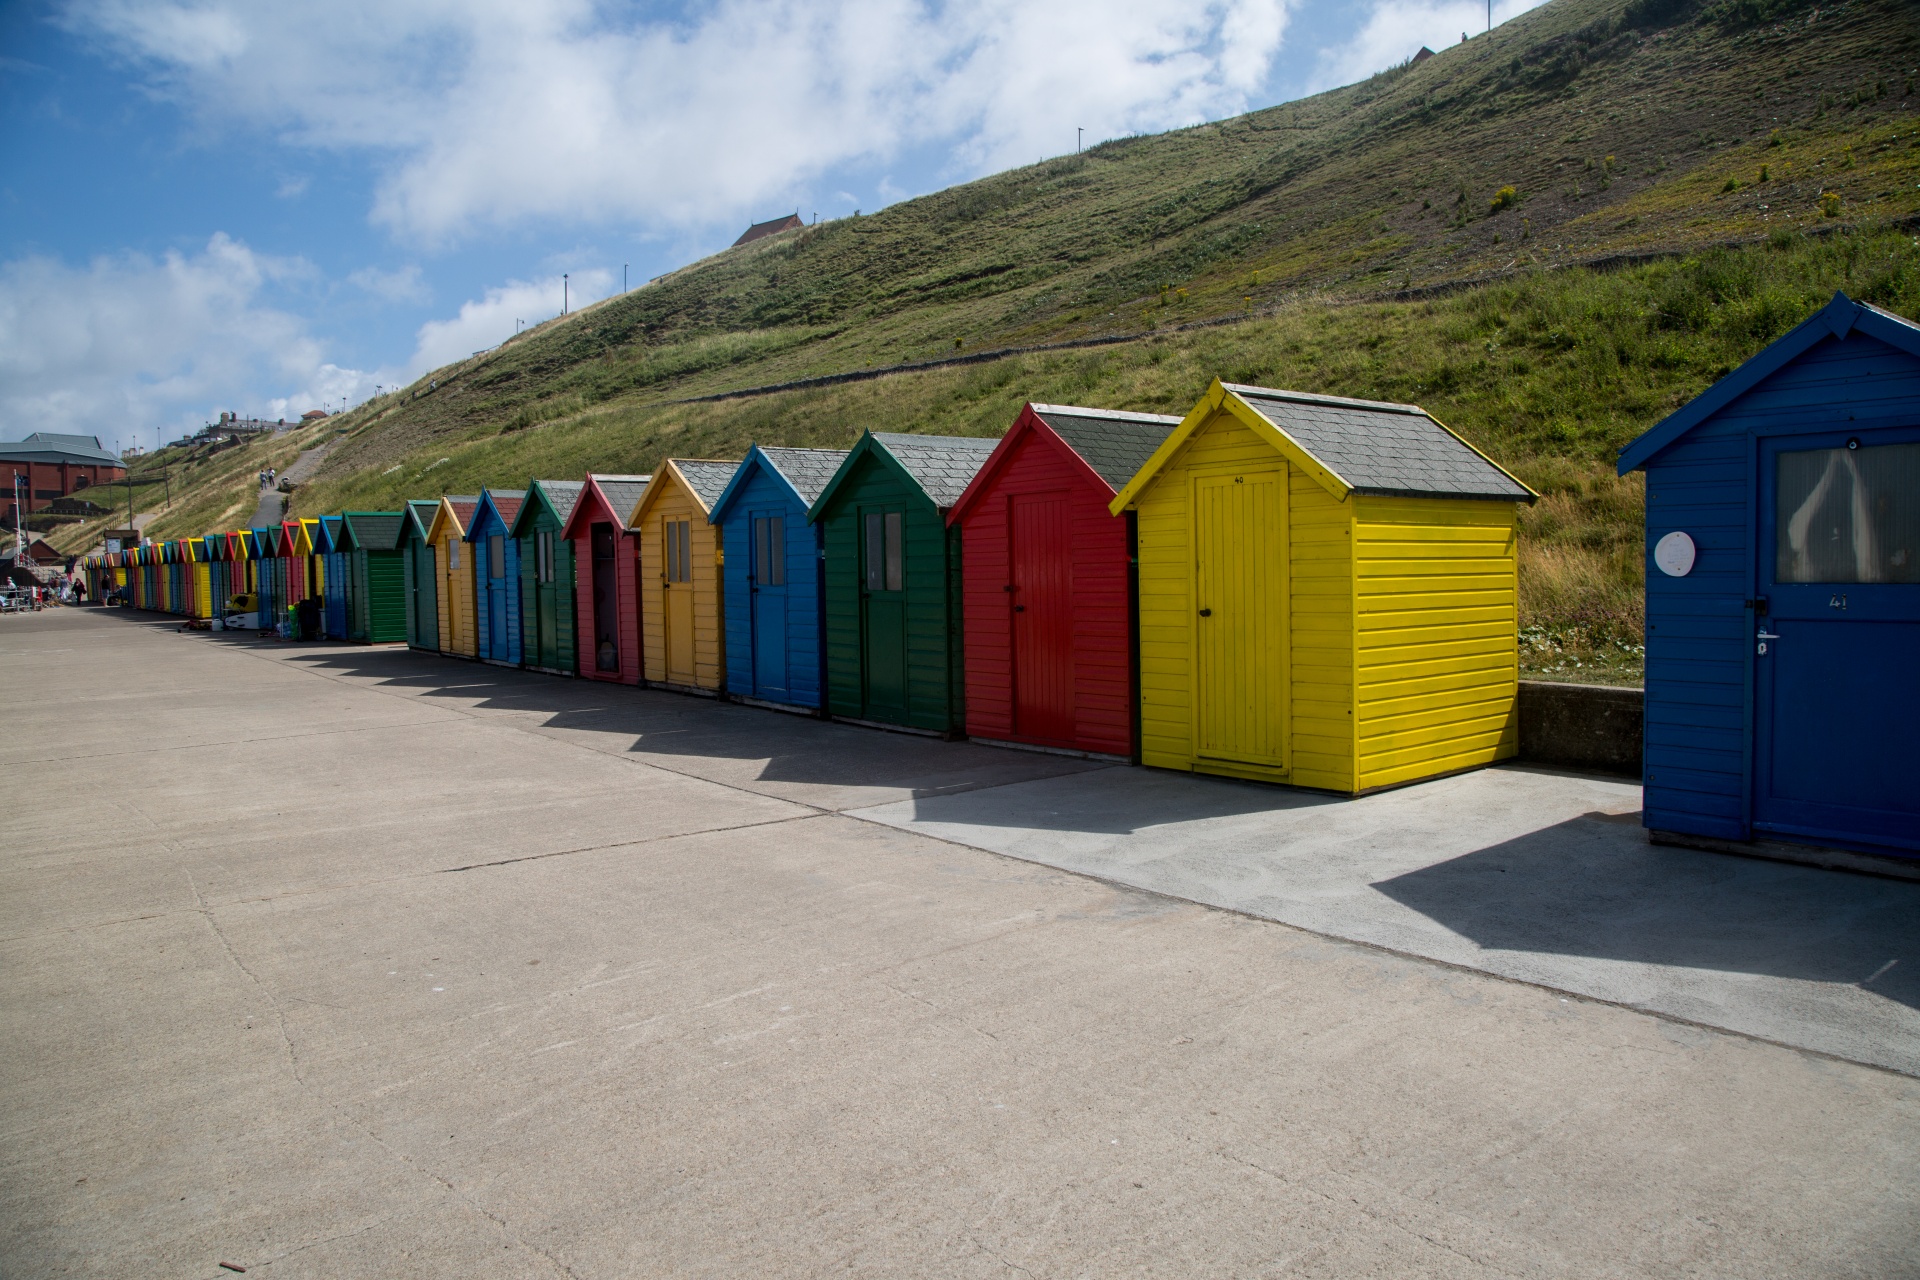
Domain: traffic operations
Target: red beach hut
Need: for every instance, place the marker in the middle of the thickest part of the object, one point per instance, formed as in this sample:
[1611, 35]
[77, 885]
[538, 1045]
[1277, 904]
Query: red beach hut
[606, 559]
[1046, 580]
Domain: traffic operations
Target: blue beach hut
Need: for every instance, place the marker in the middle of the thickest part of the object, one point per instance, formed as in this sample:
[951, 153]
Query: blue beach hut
[1783, 595]
[496, 575]
[335, 577]
[270, 584]
[771, 561]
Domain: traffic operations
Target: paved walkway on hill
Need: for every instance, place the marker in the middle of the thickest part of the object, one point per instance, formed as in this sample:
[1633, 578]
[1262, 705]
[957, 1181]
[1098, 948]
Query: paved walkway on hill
[273, 504]
[363, 962]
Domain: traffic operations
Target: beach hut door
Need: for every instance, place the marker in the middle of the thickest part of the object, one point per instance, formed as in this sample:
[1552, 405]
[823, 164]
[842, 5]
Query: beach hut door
[1040, 599]
[883, 611]
[1837, 689]
[768, 584]
[1240, 661]
[606, 601]
[676, 598]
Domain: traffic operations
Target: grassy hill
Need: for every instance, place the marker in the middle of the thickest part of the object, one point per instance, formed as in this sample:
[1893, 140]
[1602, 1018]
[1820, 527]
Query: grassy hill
[1419, 236]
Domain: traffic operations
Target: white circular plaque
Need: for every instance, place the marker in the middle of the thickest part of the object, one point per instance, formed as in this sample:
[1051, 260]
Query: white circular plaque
[1674, 554]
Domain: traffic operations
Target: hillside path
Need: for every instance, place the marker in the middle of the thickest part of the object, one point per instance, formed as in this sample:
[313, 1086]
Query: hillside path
[273, 504]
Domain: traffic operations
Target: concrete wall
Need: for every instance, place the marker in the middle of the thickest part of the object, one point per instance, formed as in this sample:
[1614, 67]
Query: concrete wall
[1581, 726]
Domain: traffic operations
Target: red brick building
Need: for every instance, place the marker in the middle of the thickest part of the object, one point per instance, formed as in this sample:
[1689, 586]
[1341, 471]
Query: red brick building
[54, 466]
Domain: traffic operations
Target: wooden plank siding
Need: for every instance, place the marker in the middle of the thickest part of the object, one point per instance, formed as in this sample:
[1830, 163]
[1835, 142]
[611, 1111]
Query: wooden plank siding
[1436, 667]
[668, 500]
[1097, 562]
[933, 648]
[1318, 562]
[1700, 631]
[763, 493]
[536, 517]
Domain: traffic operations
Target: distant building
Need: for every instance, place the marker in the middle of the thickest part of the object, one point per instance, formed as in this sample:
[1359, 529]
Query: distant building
[1422, 56]
[313, 415]
[761, 229]
[53, 466]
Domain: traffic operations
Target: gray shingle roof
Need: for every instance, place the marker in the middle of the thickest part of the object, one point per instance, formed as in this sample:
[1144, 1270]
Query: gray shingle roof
[1115, 444]
[376, 530]
[1383, 448]
[562, 494]
[706, 477]
[623, 493]
[807, 470]
[48, 449]
[943, 466]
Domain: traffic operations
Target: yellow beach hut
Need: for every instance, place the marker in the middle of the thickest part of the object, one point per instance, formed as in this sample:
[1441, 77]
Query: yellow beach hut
[453, 570]
[680, 608]
[202, 570]
[1327, 593]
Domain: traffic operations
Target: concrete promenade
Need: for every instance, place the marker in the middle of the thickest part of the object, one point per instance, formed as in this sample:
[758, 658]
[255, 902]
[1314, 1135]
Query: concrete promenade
[340, 962]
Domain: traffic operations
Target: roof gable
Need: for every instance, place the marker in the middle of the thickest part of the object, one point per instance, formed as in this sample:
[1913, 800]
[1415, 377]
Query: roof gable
[1347, 446]
[941, 467]
[555, 497]
[1833, 322]
[703, 479]
[325, 541]
[805, 473]
[371, 530]
[1106, 446]
[496, 508]
[604, 497]
[452, 518]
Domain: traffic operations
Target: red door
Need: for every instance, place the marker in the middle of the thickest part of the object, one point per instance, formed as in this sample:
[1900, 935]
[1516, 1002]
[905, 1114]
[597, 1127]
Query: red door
[1041, 597]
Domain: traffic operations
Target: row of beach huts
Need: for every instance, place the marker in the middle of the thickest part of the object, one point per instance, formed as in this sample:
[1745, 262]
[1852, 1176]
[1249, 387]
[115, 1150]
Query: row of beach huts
[1278, 586]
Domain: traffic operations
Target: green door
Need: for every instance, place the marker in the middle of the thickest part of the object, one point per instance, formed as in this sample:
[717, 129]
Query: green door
[883, 613]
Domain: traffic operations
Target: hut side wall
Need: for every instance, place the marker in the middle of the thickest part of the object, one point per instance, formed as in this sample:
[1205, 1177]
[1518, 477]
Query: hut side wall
[709, 664]
[1436, 665]
[1097, 561]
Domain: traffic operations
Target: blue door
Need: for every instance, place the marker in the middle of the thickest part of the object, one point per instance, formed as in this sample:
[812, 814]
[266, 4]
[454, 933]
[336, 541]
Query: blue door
[497, 599]
[767, 582]
[337, 597]
[1836, 681]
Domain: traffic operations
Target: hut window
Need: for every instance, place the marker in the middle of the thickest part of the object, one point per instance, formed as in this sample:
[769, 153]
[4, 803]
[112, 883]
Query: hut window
[886, 569]
[769, 551]
[1848, 515]
[453, 555]
[679, 550]
[543, 556]
[496, 557]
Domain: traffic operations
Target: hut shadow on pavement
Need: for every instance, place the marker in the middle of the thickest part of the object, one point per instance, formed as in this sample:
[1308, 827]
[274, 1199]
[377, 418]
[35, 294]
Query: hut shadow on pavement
[1559, 891]
[679, 731]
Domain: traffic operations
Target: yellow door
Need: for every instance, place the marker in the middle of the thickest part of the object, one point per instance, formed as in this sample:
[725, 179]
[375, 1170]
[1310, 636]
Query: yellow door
[1240, 623]
[676, 596]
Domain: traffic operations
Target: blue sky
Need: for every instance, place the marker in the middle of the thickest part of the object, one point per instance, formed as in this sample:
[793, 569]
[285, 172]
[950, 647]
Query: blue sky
[267, 207]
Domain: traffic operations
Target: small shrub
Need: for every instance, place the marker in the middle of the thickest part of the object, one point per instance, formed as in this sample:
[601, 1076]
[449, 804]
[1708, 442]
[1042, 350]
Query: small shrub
[1731, 184]
[1504, 198]
[1765, 175]
[1830, 204]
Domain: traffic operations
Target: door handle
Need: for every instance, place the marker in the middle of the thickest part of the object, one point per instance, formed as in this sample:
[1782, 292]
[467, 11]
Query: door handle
[1019, 608]
[1766, 635]
[1206, 613]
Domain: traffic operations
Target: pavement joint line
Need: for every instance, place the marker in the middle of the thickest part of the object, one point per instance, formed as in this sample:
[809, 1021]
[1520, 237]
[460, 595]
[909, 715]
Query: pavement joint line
[617, 844]
[1381, 948]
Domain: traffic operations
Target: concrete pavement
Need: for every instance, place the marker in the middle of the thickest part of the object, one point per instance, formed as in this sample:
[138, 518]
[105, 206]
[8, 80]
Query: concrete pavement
[359, 962]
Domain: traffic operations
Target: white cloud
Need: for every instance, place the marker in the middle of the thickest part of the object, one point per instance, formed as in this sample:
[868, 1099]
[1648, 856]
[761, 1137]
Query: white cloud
[404, 285]
[1396, 29]
[497, 112]
[493, 319]
[126, 346]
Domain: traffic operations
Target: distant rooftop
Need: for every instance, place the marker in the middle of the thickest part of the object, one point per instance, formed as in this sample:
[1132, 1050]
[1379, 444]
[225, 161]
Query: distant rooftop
[775, 227]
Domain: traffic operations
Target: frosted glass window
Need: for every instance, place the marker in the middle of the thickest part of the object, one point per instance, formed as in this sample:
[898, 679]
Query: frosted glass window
[1848, 515]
